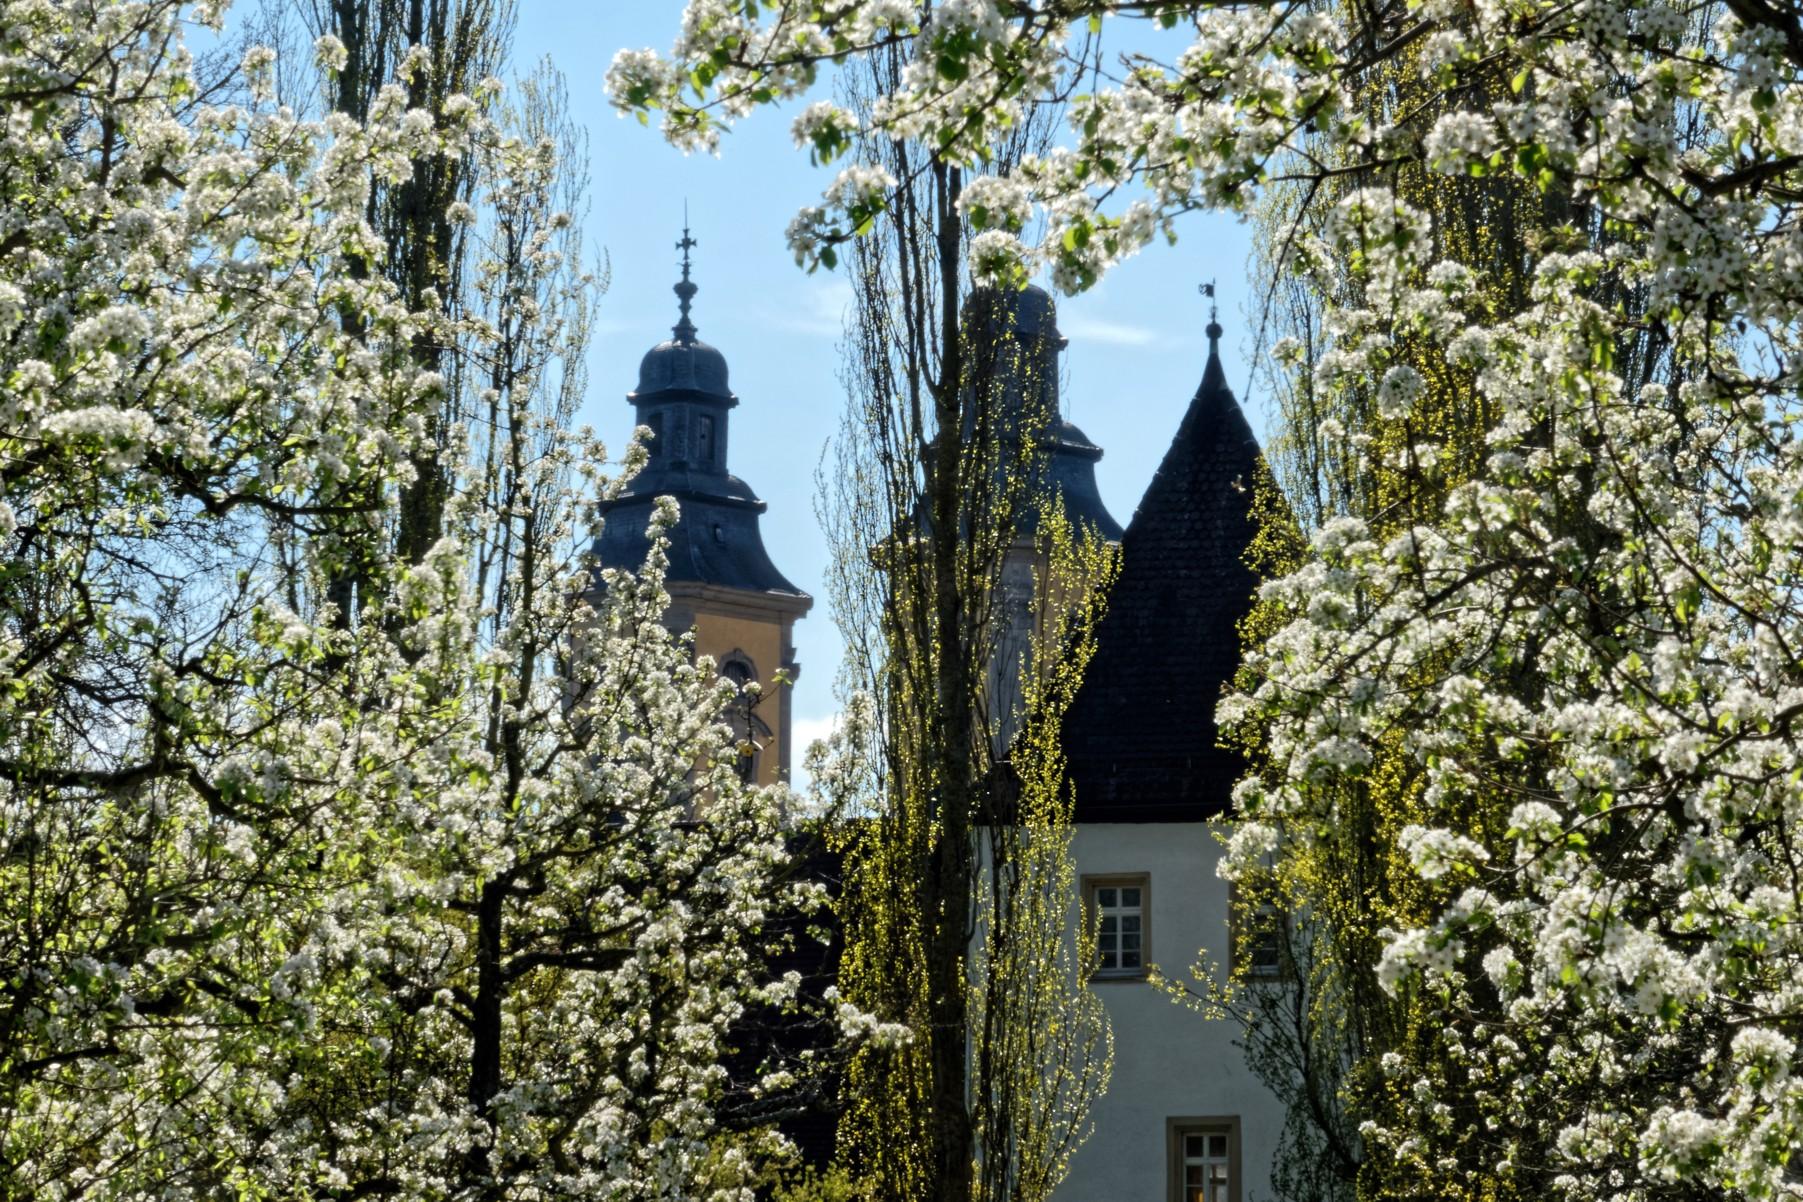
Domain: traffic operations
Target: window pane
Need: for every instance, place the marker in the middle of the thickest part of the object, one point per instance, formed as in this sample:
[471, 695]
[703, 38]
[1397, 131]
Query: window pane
[1207, 1172]
[1105, 898]
[1130, 941]
[1129, 897]
[1129, 922]
[1108, 924]
[1129, 959]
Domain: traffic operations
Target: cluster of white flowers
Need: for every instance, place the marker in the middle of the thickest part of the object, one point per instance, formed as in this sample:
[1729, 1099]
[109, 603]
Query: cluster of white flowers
[825, 127]
[1457, 140]
[273, 780]
[1600, 629]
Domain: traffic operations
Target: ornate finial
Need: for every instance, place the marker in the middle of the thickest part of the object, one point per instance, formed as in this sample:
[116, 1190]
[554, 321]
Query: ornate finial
[1214, 377]
[1214, 326]
[684, 329]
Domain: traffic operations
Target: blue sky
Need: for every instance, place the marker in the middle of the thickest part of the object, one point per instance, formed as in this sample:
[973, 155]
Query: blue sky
[1136, 342]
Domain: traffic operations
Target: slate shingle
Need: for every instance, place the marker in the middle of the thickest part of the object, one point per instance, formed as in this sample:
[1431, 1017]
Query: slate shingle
[1141, 736]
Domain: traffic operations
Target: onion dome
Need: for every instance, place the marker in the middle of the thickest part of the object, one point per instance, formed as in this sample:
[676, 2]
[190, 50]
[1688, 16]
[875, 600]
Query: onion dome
[684, 399]
[683, 363]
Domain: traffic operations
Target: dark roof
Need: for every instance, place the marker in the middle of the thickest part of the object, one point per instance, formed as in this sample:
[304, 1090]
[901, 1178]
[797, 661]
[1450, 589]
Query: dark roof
[1140, 736]
[1020, 328]
[1073, 476]
[683, 364]
[716, 541]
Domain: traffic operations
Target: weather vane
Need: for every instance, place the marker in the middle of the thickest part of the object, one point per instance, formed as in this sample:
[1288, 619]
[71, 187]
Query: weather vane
[1208, 290]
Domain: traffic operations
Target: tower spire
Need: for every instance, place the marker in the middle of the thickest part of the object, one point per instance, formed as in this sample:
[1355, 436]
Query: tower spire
[685, 291]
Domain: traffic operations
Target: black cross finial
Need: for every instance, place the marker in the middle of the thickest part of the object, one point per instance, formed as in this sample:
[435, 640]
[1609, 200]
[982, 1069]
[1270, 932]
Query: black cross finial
[685, 291]
[687, 244]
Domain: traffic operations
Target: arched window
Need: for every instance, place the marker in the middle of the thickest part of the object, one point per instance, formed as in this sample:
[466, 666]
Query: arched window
[749, 730]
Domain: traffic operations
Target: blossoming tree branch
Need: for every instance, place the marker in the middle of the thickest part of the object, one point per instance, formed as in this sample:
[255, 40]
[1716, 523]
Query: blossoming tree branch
[357, 840]
[1587, 651]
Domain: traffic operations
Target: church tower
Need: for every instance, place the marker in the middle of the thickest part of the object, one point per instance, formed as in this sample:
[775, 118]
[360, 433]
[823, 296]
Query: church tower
[721, 581]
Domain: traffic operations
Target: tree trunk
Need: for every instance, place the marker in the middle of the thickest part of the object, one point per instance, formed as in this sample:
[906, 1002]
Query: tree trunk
[485, 1030]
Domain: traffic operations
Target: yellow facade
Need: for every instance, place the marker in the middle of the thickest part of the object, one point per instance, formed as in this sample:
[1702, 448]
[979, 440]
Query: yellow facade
[756, 630]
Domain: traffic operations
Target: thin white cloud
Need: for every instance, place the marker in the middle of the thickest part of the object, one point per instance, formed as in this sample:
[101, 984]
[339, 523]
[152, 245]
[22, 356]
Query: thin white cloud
[824, 302]
[1079, 328]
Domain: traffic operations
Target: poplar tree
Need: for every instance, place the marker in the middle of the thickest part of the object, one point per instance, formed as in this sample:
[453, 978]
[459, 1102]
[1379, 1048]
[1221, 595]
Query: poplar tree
[966, 599]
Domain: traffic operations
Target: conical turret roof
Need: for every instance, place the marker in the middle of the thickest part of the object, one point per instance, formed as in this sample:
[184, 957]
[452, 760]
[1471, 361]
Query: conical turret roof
[1141, 735]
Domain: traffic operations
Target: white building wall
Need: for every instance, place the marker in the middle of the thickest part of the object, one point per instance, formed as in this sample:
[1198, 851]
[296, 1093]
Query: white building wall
[1169, 1062]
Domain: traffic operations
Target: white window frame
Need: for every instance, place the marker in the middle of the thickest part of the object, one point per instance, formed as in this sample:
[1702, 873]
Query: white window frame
[1178, 1131]
[1093, 913]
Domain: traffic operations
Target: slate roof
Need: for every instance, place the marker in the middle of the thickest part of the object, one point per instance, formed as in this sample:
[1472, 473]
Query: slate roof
[1072, 471]
[716, 540]
[1029, 318]
[1140, 735]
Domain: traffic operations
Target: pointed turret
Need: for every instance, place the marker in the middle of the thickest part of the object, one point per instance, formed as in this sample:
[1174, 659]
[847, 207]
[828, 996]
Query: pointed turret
[1141, 734]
